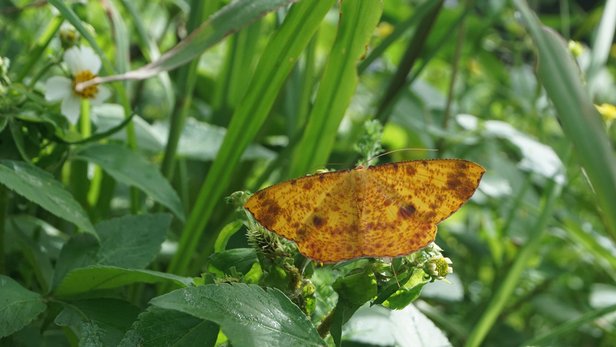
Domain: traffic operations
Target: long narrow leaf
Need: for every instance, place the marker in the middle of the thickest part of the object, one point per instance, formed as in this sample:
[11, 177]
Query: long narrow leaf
[510, 282]
[578, 117]
[278, 58]
[229, 19]
[357, 23]
[544, 340]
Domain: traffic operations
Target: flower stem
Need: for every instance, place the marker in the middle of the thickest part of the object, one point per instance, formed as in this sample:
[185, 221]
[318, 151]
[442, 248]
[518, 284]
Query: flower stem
[79, 169]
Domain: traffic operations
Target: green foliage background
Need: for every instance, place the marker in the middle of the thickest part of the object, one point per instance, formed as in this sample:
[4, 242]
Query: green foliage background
[216, 97]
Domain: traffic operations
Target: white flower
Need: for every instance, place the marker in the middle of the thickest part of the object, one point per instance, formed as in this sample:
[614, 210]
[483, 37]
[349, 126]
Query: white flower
[83, 65]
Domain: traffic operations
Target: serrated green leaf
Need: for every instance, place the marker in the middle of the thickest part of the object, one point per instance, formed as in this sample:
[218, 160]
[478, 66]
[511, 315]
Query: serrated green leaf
[130, 168]
[127, 242]
[100, 277]
[98, 322]
[78, 251]
[18, 306]
[160, 327]
[41, 188]
[131, 241]
[248, 314]
[38, 242]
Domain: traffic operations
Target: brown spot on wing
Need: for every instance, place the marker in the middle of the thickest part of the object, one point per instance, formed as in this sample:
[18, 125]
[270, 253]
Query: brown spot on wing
[270, 213]
[411, 170]
[318, 221]
[406, 211]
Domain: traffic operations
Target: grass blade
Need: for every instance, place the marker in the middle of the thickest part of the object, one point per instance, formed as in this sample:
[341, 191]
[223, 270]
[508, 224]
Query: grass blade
[357, 23]
[229, 19]
[510, 282]
[278, 58]
[544, 340]
[578, 117]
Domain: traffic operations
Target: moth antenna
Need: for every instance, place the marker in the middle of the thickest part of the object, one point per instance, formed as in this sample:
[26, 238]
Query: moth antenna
[401, 150]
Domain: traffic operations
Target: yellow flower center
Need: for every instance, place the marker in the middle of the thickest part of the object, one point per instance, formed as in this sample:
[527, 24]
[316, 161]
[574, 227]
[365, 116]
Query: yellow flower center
[88, 92]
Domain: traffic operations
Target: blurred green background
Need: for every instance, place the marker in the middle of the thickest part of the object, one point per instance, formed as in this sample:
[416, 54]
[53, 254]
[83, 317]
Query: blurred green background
[261, 99]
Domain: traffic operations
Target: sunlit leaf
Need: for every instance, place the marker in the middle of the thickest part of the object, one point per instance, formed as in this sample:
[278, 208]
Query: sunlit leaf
[248, 314]
[41, 188]
[130, 168]
[100, 277]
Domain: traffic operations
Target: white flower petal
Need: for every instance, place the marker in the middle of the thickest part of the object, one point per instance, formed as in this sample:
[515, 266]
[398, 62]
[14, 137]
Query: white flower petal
[71, 108]
[102, 95]
[57, 88]
[73, 59]
[82, 58]
[90, 60]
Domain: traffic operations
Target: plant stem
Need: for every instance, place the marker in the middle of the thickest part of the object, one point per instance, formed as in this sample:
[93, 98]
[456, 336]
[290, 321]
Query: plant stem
[79, 169]
[413, 50]
[187, 78]
[325, 324]
[37, 51]
[510, 282]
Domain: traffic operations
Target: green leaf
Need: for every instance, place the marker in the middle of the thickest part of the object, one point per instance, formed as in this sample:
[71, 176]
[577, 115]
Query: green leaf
[100, 277]
[225, 234]
[354, 290]
[357, 287]
[239, 258]
[377, 325]
[18, 306]
[570, 327]
[131, 241]
[98, 322]
[130, 168]
[39, 244]
[109, 116]
[78, 251]
[511, 279]
[279, 56]
[198, 140]
[580, 121]
[409, 288]
[128, 242]
[41, 188]
[202, 141]
[357, 23]
[160, 327]
[247, 314]
[229, 19]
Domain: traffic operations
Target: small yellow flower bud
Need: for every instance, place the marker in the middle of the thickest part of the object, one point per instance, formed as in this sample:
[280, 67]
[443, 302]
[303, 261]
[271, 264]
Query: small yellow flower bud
[576, 48]
[607, 111]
